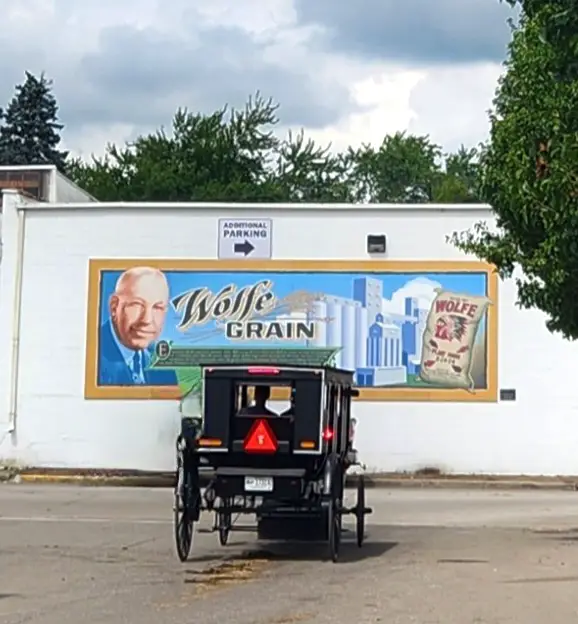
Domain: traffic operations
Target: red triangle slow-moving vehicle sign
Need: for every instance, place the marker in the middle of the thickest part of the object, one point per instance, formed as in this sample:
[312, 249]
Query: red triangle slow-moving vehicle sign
[260, 438]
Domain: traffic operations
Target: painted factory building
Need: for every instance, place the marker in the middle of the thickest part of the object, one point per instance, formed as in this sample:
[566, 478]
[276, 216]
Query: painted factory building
[380, 346]
[452, 375]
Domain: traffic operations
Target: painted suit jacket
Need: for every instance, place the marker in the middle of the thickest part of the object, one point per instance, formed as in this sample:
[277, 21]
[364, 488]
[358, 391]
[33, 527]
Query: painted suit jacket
[114, 371]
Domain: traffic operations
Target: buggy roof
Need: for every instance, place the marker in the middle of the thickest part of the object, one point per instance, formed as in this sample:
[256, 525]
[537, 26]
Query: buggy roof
[256, 367]
[261, 370]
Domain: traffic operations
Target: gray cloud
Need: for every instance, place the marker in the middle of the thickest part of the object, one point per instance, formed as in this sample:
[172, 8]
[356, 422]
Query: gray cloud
[113, 79]
[416, 32]
[141, 76]
[138, 77]
[14, 60]
[451, 105]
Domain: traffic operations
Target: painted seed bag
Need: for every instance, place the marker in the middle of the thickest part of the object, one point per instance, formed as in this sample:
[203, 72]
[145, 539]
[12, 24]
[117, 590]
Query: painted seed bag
[448, 339]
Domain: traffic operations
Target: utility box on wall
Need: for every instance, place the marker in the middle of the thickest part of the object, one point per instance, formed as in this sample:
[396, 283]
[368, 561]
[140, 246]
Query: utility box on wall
[376, 244]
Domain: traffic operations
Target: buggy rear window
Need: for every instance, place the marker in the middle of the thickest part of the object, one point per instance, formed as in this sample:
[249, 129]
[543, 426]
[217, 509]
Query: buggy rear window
[245, 392]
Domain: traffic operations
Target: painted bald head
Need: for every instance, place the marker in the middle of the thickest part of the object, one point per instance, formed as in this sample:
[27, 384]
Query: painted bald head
[138, 306]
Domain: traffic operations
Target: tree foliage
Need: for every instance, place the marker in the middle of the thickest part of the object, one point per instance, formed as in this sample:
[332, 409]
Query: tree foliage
[29, 128]
[224, 156]
[402, 170]
[237, 156]
[412, 169]
[459, 182]
[529, 170]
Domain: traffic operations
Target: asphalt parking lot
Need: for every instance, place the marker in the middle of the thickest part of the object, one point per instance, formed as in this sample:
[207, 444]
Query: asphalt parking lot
[106, 555]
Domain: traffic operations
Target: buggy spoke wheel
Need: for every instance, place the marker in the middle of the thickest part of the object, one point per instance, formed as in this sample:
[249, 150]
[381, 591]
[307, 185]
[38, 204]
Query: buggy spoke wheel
[359, 512]
[224, 523]
[334, 529]
[184, 528]
[184, 512]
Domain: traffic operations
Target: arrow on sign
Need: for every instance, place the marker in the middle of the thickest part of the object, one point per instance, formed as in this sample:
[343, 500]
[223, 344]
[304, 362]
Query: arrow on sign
[245, 248]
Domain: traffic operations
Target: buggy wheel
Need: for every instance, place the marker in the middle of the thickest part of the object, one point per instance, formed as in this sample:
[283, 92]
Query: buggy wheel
[224, 523]
[184, 528]
[334, 529]
[360, 511]
[186, 502]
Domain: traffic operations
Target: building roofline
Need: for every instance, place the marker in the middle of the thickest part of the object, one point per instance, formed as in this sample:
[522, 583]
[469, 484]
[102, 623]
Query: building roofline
[27, 167]
[261, 207]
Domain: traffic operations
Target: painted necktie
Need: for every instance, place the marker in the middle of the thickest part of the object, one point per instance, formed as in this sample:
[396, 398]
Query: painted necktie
[137, 366]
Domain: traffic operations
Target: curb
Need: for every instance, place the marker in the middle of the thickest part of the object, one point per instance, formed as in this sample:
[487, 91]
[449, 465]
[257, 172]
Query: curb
[92, 480]
[469, 484]
[390, 481]
[160, 480]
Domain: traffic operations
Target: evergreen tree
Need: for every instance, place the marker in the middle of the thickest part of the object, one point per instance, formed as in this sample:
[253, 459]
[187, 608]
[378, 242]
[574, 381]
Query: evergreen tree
[30, 132]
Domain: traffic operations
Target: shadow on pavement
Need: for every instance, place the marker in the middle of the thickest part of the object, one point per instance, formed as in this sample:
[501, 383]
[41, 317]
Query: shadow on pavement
[302, 551]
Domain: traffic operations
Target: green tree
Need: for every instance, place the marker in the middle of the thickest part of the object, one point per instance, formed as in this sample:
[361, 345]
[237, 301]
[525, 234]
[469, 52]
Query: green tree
[224, 156]
[458, 183]
[29, 128]
[403, 169]
[529, 170]
[237, 156]
[411, 169]
[305, 172]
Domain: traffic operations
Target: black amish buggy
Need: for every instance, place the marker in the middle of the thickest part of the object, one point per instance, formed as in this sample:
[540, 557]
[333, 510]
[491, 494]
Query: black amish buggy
[287, 470]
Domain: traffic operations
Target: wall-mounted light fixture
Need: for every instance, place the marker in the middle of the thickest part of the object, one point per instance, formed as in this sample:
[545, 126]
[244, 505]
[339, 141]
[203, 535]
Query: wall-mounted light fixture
[376, 243]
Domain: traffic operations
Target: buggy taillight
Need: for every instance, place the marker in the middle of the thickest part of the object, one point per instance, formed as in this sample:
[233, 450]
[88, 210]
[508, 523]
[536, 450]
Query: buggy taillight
[328, 433]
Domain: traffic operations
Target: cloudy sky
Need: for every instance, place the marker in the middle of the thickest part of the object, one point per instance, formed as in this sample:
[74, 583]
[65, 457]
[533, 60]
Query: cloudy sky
[347, 72]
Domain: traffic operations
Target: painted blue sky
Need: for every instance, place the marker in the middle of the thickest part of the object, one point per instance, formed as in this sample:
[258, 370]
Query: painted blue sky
[337, 284]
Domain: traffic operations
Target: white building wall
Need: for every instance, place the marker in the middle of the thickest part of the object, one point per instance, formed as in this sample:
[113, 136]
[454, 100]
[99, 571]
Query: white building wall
[55, 426]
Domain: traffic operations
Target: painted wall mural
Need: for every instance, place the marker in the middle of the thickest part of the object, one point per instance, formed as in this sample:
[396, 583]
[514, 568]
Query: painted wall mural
[410, 331]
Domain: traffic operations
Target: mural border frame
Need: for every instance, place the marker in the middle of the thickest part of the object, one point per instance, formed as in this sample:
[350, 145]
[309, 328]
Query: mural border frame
[97, 265]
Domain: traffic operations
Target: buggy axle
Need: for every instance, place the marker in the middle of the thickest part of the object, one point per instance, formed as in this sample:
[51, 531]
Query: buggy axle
[237, 529]
[354, 511]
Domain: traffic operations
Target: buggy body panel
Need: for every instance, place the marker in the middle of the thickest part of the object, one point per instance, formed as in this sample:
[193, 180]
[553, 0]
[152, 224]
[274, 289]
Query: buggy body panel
[223, 398]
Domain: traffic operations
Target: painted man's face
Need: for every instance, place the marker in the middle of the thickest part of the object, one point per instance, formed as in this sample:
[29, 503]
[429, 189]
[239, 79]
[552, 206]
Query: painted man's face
[139, 309]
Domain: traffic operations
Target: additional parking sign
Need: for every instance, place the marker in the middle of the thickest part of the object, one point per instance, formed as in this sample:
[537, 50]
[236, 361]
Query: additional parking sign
[245, 238]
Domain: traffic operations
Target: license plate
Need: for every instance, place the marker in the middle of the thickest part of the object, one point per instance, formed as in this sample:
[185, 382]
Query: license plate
[258, 484]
